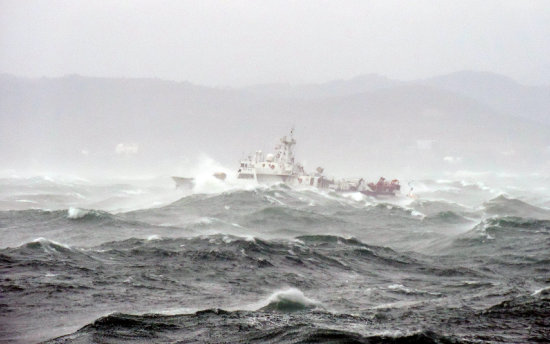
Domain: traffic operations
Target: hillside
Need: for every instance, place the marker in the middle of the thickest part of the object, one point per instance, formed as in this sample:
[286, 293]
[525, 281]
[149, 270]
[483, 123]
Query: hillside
[367, 125]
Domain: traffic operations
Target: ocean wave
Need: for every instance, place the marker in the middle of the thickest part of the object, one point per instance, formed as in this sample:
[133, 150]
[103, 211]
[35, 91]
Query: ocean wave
[511, 242]
[450, 217]
[80, 214]
[518, 222]
[289, 300]
[283, 211]
[445, 211]
[528, 306]
[220, 326]
[284, 265]
[399, 288]
[278, 195]
[542, 291]
[321, 253]
[72, 213]
[339, 336]
[505, 206]
[77, 213]
[48, 246]
[505, 228]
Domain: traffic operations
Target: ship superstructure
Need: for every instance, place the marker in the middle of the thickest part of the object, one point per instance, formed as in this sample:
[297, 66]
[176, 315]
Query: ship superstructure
[280, 166]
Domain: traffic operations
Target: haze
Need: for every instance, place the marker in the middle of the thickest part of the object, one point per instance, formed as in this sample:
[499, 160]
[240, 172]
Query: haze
[372, 87]
[236, 43]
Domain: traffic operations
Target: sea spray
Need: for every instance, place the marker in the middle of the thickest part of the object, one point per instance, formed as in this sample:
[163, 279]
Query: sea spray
[77, 213]
[289, 300]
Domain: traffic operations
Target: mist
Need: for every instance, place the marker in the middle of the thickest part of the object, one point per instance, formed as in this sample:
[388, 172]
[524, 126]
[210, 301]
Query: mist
[274, 171]
[371, 87]
[366, 126]
[242, 43]
[141, 89]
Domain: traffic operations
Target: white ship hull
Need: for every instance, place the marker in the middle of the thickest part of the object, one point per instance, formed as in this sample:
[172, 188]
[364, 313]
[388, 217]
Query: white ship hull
[273, 178]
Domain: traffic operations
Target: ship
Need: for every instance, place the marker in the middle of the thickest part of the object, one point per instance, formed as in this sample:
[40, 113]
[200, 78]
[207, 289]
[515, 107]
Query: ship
[282, 167]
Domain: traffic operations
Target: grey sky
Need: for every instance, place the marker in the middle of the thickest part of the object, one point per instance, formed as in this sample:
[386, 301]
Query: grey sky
[246, 42]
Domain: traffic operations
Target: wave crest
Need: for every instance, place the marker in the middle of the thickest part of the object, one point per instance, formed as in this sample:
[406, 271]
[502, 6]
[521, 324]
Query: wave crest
[289, 300]
[77, 213]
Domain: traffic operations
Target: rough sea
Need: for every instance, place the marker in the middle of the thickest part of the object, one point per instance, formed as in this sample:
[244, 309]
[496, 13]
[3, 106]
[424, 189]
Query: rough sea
[138, 261]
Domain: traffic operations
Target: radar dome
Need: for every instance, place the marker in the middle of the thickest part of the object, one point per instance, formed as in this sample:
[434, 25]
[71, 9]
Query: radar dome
[269, 157]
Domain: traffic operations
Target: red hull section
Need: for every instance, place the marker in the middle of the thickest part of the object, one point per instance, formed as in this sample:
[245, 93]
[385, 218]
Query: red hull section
[383, 188]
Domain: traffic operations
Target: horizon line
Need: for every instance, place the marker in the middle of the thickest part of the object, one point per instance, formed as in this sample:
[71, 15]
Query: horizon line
[273, 83]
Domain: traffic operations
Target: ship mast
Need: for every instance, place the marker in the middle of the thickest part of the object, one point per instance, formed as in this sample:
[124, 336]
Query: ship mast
[286, 153]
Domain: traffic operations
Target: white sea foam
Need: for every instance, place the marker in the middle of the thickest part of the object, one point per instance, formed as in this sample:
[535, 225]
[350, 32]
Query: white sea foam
[292, 294]
[418, 214]
[77, 213]
[482, 229]
[206, 183]
[290, 299]
[134, 192]
[399, 287]
[47, 244]
[204, 221]
[174, 311]
[274, 200]
[398, 304]
[43, 240]
[354, 196]
[279, 195]
[542, 291]
[298, 242]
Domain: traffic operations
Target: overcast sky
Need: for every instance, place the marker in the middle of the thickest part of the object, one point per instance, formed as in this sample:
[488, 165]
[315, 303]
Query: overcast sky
[234, 43]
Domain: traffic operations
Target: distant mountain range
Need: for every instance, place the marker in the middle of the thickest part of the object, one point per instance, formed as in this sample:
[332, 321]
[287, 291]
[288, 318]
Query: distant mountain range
[500, 92]
[366, 125]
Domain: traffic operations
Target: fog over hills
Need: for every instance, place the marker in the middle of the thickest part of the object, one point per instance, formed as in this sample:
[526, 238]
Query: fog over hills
[500, 92]
[359, 84]
[366, 126]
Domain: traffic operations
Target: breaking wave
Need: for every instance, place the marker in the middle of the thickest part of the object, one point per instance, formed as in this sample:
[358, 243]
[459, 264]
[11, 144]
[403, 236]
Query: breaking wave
[48, 245]
[289, 300]
[77, 213]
